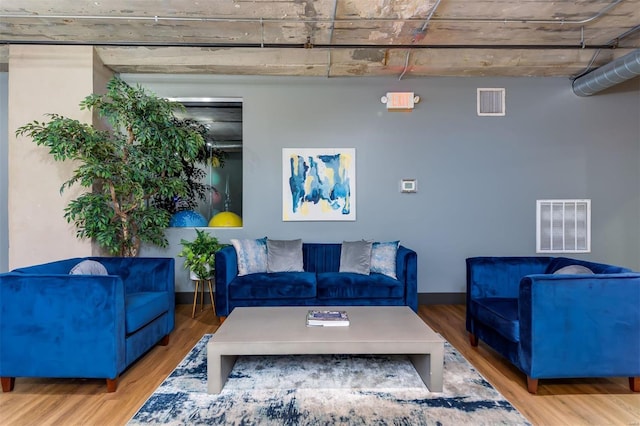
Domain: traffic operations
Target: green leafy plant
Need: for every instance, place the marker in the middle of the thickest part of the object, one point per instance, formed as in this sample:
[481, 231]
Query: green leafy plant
[143, 157]
[199, 254]
[192, 174]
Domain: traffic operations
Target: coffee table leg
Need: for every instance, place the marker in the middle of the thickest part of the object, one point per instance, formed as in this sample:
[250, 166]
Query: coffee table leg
[429, 367]
[218, 369]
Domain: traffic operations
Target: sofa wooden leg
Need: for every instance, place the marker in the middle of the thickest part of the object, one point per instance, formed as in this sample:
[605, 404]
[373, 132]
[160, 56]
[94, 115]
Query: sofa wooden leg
[221, 319]
[8, 383]
[532, 385]
[634, 384]
[164, 341]
[473, 339]
[112, 385]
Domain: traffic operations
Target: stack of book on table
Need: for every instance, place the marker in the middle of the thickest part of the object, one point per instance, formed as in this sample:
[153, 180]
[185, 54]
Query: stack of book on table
[318, 318]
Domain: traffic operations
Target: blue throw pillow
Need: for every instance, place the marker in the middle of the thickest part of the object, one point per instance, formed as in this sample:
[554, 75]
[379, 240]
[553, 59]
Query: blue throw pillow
[252, 255]
[383, 258]
[89, 267]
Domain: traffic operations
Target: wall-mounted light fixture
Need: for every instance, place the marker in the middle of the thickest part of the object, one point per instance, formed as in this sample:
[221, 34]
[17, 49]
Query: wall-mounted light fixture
[400, 101]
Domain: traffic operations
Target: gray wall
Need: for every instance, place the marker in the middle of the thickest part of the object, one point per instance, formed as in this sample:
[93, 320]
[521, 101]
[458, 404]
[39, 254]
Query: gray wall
[478, 177]
[4, 174]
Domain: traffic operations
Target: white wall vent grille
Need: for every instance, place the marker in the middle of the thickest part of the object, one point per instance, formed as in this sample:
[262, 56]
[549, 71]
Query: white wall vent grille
[563, 226]
[491, 102]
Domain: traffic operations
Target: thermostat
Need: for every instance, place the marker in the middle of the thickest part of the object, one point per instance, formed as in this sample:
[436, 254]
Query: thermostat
[408, 185]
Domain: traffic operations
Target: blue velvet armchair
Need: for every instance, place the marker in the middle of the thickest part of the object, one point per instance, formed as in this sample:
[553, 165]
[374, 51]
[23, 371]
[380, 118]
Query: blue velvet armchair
[556, 324]
[53, 324]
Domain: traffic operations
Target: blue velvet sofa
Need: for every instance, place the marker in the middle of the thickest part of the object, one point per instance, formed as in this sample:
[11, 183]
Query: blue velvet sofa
[553, 323]
[54, 324]
[319, 285]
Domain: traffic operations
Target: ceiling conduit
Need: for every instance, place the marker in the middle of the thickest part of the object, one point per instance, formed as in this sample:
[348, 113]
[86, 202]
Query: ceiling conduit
[616, 72]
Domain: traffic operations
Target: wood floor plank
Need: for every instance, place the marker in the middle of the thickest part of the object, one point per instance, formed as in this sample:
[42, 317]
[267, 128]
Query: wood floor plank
[86, 402]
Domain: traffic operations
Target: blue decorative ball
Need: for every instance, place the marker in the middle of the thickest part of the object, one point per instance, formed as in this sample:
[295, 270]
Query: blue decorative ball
[188, 218]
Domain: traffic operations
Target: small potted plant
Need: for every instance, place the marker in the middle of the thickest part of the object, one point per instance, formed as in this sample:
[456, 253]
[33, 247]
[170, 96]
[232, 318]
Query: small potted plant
[199, 255]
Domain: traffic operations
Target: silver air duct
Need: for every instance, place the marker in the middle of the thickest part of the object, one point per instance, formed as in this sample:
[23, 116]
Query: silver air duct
[616, 72]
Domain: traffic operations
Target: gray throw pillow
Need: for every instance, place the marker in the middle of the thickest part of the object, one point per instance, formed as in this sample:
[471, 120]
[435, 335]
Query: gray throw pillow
[284, 256]
[89, 267]
[574, 270]
[355, 256]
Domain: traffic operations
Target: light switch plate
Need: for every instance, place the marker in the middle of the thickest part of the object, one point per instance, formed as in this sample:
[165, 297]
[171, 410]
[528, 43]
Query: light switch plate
[408, 185]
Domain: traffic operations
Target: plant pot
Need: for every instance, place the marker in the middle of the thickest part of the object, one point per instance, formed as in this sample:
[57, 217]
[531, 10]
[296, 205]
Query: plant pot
[194, 276]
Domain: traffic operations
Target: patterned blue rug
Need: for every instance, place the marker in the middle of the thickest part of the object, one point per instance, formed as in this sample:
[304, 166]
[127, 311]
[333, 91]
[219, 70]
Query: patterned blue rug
[325, 390]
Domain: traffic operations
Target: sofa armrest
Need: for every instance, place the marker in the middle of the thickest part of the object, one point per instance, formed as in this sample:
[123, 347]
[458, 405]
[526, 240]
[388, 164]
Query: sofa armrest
[407, 272]
[580, 325]
[61, 326]
[226, 271]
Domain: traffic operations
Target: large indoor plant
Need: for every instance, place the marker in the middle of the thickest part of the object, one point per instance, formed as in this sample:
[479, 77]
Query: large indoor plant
[141, 158]
[192, 173]
[199, 254]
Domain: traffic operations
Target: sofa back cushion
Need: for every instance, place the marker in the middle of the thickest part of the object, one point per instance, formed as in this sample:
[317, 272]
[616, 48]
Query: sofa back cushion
[321, 257]
[500, 276]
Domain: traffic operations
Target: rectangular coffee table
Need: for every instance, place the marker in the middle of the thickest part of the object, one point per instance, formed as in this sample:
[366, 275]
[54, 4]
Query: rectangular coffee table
[283, 331]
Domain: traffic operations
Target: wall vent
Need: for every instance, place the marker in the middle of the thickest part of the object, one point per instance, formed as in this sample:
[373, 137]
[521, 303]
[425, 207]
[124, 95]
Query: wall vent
[563, 226]
[491, 102]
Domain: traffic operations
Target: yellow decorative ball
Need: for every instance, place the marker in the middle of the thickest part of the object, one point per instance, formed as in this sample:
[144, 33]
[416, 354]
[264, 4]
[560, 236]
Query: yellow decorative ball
[226, 219]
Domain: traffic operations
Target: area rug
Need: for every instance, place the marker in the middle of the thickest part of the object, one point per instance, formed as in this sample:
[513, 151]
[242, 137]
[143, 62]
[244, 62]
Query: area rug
[325, 390]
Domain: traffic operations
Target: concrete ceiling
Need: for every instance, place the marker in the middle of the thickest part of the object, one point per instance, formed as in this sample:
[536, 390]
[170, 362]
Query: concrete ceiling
[403, 38]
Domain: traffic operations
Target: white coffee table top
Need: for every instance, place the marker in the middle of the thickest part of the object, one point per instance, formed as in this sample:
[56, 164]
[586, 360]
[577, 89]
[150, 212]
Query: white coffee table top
[391, 325]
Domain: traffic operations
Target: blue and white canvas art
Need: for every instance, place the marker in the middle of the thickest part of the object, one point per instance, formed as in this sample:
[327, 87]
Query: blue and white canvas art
[318, 184]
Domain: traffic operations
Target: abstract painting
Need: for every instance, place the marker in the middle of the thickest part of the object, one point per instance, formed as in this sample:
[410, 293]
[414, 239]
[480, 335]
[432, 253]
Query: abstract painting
[318, 184]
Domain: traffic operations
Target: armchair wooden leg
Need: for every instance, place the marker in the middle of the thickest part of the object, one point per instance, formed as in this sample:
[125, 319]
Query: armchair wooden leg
[473, 339]
[221, 319]
[532, 385]
[634, 384]
[8, 383]
[164, 341]
[112, 384]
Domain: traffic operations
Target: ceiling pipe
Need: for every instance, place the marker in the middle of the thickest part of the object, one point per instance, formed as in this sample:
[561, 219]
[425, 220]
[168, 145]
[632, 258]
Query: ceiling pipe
[335, 12]
[615, 72]
[419, 35]
[304, 45]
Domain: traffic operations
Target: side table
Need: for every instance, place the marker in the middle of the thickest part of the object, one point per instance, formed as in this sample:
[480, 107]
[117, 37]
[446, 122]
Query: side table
[199, 284]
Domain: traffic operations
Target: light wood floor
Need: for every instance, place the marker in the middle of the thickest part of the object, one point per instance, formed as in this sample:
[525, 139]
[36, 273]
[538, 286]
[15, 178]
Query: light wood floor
[85, 402]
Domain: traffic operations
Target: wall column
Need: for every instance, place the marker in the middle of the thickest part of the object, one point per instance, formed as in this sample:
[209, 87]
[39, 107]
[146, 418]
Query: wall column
[45, 79]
